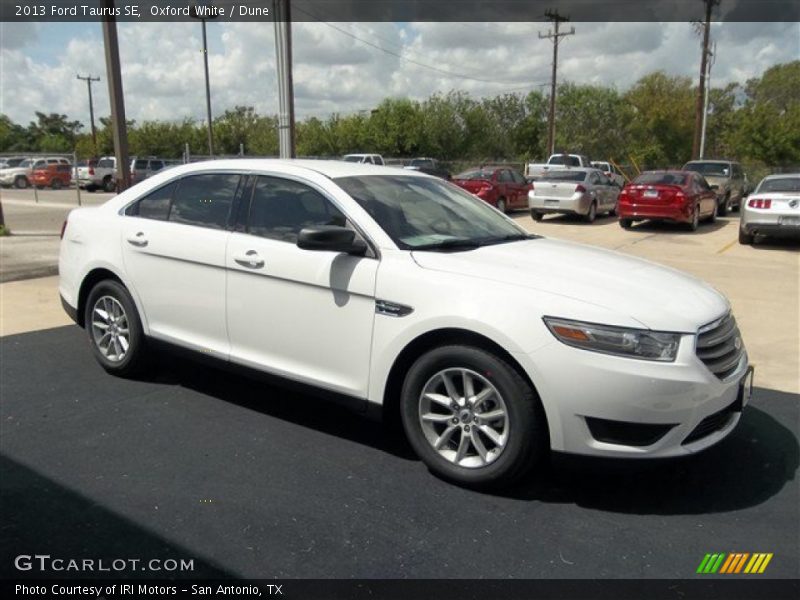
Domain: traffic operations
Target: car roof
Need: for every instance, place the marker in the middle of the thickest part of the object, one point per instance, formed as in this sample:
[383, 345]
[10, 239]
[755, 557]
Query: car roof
[329, 168]
[710, 160]
[782, 175]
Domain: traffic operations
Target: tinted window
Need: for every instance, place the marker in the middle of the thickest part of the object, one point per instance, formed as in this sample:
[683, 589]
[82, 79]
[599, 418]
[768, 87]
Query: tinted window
[477, 174]
[504, 176]
[564, 176]
[661, 178]
[779, 184]
[153, 206]
[280, 208]
[204, 200]
[565, 159]
[140, 164]
[518, 178]
[106, 163]
[156, 165]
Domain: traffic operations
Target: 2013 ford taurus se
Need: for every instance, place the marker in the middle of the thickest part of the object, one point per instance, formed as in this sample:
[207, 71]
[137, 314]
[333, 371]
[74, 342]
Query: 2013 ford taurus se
[414, 299]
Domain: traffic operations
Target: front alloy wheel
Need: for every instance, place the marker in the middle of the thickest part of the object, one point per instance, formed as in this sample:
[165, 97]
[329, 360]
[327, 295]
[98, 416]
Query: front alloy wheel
[464, 417]
[471, 417]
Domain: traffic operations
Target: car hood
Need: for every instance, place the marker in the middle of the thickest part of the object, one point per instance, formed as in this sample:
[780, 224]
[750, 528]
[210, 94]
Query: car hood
[721, 180]
[658, 297]
[13, 171]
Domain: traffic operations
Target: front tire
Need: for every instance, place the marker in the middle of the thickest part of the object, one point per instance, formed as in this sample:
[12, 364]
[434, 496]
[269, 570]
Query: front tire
[471, 417]
[501, 205]
[115, 330]
[695, 222]
[725, 206]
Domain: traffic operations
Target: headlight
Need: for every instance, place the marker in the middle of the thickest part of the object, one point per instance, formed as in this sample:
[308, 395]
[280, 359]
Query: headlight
[620, 341]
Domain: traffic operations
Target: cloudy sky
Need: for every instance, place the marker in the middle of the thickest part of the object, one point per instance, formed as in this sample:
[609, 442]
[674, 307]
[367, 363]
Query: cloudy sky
[346, 67]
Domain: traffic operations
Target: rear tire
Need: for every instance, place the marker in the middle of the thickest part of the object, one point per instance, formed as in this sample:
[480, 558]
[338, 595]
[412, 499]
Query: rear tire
[109, 185]
[695, 222]
[592, 214]
[21, 182]
[625, 223]
[537, 216]
[491, 442]
[115, 330]
[746, 239]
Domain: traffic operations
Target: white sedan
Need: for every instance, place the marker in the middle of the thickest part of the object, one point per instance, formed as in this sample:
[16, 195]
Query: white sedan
[414, 300]
[772, 210]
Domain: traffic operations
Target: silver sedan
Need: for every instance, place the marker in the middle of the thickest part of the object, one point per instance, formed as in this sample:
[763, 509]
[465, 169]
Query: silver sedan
[773, 209]
[585, 192]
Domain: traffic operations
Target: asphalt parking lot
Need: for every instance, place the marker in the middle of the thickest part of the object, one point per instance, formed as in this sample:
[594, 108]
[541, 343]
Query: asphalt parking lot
[250, 480]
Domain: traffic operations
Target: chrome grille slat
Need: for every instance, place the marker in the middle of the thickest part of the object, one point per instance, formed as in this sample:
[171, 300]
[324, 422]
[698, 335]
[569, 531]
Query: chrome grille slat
[716, 346]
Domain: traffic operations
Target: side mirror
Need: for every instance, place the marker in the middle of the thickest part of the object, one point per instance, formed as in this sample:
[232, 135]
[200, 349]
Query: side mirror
[332, 238]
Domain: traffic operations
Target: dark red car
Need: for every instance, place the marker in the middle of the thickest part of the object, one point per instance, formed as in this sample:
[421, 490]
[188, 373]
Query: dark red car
[677, 196]
[502, 187]
[52, 175]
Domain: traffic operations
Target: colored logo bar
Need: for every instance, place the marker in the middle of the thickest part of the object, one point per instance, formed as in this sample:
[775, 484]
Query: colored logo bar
[734, 563]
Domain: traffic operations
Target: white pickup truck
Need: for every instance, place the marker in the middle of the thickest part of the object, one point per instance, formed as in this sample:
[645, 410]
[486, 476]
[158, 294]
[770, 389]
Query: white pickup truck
[534, 171]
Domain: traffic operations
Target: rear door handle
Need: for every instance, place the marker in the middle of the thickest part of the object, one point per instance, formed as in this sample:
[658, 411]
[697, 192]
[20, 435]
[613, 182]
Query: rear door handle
[249, 259]
[139, 240]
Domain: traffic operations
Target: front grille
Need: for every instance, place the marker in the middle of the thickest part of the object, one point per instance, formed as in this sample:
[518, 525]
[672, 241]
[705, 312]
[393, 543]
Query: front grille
[712, 423]
[720, 347]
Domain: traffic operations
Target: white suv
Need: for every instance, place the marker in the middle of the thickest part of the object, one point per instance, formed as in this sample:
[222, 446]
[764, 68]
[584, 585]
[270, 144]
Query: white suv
[412, 298]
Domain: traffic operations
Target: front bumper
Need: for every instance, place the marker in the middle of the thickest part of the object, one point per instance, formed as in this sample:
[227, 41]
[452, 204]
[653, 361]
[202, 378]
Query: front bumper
[688, 407]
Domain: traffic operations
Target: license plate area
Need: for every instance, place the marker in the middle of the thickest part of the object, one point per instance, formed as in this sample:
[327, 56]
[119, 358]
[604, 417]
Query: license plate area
[650, 194]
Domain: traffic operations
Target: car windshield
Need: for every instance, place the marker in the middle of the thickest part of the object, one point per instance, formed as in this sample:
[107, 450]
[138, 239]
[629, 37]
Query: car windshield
[564, 176]
[421, 213]
[779, 184]
[26, 164]
[352, 158]
[708, 168]
[661, 178]
[475, 174]
[421, 162]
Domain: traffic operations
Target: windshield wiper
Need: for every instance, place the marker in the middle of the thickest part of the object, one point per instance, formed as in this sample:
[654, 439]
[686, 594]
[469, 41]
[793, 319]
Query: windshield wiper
[471, 243]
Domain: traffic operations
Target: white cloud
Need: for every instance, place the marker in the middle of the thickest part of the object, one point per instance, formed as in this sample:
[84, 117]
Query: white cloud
[336, 72]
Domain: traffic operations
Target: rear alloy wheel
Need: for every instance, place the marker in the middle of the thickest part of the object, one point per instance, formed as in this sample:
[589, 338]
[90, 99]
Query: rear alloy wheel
[592, 214]
[745, 238]
[21, 182]
[471, 417]
[536, 215]
[695, 222]
[114, 329]
[501, 205]
[625, 223]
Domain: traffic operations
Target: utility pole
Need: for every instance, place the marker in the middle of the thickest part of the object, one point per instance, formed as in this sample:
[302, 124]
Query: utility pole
[705, 102]
[119, 126]
[554, 35]
[283, 53]
[89, 79]
[203, 16]
[701, 88]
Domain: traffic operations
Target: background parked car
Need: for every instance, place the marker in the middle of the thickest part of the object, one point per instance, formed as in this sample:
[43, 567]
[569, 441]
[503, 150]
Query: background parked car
[534, 171]
[502, 187]
[610, 171]
[20, 176]
[676, 196]
[372, 159]
[729, 178]
[431, 166]
[101, 175]
[772, 210]
[10, 162]
[585, 192]
[53, 174]
[144, 167]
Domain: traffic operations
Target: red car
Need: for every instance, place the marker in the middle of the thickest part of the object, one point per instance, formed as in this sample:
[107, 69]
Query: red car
[502, 187]
[55, 176]
[676, 196]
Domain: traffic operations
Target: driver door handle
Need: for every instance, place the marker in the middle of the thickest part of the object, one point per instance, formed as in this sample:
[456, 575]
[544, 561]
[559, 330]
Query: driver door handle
[139, 240]
[249, 259]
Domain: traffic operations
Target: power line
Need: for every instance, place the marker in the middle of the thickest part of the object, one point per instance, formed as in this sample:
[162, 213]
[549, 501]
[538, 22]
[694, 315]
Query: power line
[555, 36]
[400, 56]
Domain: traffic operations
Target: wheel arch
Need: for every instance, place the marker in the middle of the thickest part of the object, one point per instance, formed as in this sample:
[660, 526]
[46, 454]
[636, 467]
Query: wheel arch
[390, 409]
[92, 278]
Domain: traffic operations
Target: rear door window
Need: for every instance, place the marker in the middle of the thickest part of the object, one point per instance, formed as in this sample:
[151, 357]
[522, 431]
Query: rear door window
[204, 200]
[155, 205]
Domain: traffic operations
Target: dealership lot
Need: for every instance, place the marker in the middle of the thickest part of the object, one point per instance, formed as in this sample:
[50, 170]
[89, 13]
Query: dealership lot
[251, 480]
